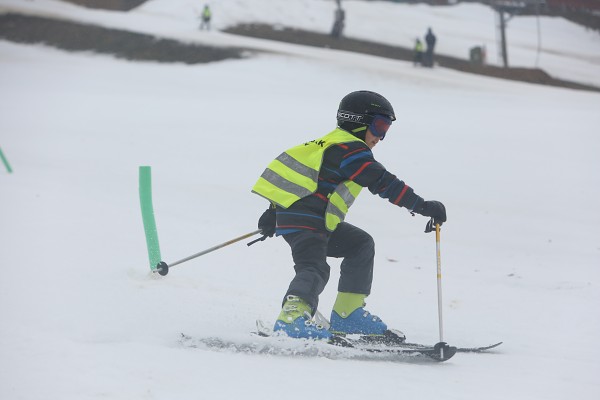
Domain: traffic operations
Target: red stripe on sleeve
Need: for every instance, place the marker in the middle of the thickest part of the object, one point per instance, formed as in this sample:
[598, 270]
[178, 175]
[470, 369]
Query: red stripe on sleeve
[353, 152]
[361, 169]
[320, 196]
[401, 195]
[296, 226]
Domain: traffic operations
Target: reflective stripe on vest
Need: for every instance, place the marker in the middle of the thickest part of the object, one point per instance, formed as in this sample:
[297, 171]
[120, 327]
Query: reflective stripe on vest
[339, 202]
[294, 175]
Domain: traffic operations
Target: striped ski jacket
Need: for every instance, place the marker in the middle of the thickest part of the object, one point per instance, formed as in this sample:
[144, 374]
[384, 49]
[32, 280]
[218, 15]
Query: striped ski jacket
[313, 185]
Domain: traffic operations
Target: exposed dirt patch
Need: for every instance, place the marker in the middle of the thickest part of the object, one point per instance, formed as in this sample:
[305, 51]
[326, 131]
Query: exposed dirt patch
[117, 5]
[122, 44]
[399, 53]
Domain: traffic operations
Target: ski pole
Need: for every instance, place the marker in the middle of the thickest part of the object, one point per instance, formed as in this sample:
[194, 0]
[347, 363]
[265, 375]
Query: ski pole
[439, 284]
[163, 268]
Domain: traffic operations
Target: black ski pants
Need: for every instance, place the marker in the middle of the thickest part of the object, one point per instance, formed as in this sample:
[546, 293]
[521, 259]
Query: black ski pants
[310, 251]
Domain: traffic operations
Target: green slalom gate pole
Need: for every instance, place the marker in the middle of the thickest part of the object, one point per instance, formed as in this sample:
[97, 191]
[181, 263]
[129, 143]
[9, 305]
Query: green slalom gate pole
[148, 217]
[5, 161]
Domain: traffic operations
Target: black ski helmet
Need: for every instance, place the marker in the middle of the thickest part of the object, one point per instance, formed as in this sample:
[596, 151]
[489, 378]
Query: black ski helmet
[357, 109]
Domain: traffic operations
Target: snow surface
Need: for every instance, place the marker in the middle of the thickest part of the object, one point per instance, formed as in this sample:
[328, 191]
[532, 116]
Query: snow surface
[516, 165]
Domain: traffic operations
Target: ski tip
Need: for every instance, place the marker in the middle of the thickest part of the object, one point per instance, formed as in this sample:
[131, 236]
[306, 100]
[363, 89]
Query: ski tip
[492, 346]
[478, 349]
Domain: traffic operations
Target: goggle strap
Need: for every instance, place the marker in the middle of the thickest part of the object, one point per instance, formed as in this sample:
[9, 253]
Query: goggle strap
[362, 128]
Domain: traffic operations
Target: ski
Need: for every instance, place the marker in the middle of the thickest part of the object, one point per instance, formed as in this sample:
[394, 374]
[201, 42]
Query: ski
[289, 347]
[394, 337]
[391, 338]
[378, 344]
[480, 349]
[391, 346]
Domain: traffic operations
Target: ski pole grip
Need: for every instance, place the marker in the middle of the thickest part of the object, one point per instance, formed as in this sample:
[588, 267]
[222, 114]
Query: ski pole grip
[260, 239]
[430, 227]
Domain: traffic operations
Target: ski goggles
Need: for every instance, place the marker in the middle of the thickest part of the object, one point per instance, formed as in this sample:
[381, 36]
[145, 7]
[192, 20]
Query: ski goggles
[379, 126]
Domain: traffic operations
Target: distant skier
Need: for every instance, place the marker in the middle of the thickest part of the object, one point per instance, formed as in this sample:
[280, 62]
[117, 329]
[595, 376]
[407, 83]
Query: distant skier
[310, 188]
[205, 16]
[430, 39]
[418, 52]
[338, 21]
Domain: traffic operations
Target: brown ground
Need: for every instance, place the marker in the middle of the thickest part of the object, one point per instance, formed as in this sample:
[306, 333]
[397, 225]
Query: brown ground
[117, 5]
[122, 44]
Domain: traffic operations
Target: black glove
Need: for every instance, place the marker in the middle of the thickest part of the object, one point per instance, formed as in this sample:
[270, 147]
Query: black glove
[266, 222]
[435, 210]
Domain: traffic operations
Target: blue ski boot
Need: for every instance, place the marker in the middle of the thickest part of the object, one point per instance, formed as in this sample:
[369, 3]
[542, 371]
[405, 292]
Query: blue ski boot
[295, 320]
[349, 317]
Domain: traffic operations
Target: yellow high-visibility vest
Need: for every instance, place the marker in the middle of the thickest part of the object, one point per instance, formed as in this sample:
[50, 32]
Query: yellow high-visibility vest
[294, 175]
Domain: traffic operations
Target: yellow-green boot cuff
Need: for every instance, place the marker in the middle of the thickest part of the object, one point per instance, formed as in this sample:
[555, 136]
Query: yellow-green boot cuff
[346, 303]
[293, 308]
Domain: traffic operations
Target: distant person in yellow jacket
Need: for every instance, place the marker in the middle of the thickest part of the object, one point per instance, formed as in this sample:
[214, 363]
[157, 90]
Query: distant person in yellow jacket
[418, 53]
[206, 16]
